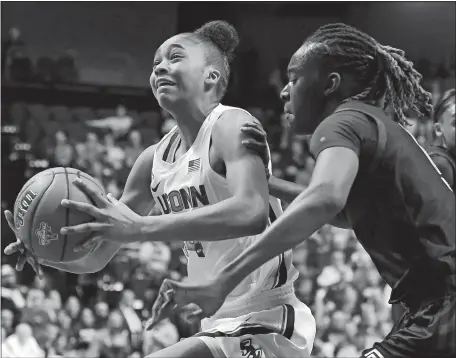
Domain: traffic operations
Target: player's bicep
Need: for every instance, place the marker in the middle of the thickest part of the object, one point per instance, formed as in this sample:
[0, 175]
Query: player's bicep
[335, 170]
[136, 194]
[245, 171]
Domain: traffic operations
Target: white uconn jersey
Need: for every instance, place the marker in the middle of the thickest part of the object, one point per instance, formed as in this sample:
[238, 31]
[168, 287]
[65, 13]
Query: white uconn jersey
[190, 183]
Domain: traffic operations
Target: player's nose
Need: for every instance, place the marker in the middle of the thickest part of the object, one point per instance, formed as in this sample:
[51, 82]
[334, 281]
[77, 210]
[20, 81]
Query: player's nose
[285, 93]
[161, 68]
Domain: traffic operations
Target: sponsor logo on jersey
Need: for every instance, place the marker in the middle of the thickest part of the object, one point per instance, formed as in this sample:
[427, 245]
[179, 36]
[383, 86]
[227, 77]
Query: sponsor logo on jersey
[184, 198]
[22, 207]
[373, 353]
[248, 350]
[45, 234]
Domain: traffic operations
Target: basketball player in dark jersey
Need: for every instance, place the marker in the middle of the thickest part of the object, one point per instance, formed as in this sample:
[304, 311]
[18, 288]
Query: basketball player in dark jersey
[443, 151]
[370, 175]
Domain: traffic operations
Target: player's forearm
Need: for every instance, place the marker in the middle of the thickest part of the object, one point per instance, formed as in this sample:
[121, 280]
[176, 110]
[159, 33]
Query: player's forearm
[228, 219]
[284, 190]
[312, 209]
[91, 263]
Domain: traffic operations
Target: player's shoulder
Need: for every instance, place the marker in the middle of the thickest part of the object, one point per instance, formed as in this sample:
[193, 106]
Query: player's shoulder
[353, 118]
[231, 120]
[347, 122]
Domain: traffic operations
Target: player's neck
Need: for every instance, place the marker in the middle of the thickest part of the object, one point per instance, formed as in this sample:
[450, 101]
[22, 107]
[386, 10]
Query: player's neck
[189, 120]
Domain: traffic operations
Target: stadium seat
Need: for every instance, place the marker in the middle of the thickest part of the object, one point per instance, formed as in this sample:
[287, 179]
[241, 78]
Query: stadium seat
[105, 112]
[60, 113]
[38, 112]
[83, 114]
[18, 113]
[45, 69]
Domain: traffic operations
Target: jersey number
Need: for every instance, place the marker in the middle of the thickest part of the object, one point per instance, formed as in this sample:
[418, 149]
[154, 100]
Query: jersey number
[430, 159]
[195, 246]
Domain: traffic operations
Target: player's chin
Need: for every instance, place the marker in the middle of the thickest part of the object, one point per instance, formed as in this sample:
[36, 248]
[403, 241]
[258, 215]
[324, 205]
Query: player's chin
[300, 128]
[166, 100]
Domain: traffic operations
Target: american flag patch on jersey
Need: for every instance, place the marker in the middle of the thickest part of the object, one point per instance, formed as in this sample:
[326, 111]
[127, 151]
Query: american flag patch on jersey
[194, 165]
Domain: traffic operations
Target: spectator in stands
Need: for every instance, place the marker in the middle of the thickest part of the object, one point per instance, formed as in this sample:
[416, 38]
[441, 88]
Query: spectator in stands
[132, 320]
[62, 154]
[115, 338]
[115, 155]
[21, 344]
[101, 314]
[163, 335]
[89, 152]
[83, 328]
[64, 321]
[10, 45]
[119, 124]
[7, 321]
[12, 297]
[66, 70]
[134, 148]
[73, 307]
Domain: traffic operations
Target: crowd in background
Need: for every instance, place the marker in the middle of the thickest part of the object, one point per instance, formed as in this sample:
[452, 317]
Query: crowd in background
[102, 314]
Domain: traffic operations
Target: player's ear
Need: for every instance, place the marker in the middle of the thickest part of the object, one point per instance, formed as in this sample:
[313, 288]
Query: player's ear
[213, 76]
[438, 129]
[332, 83]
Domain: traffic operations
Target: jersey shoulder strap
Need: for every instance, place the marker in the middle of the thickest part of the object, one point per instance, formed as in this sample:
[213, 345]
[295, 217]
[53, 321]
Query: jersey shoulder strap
[371, 113]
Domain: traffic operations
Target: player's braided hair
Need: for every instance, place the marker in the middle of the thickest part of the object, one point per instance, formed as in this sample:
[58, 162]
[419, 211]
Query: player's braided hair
[381, 69]
[443, 102]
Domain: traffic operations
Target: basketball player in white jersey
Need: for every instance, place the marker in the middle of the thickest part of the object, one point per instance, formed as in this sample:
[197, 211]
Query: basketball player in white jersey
[202, 164]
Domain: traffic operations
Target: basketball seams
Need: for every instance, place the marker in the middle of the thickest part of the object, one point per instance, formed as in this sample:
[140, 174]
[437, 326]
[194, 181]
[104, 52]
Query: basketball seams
[32, 213]
[67, 215]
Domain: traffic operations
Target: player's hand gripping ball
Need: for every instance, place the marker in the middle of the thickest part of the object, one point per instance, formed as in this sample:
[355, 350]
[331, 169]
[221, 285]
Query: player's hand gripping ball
[39, 215]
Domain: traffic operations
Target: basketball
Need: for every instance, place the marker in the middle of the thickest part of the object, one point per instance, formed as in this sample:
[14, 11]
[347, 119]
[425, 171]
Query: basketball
[39, 215]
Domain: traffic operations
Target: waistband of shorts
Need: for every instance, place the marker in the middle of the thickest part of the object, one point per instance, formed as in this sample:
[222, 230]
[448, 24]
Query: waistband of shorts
[259, 302]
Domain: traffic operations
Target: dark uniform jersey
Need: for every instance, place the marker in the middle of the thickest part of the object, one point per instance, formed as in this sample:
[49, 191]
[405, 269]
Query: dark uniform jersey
[399, 207]
[445, 162]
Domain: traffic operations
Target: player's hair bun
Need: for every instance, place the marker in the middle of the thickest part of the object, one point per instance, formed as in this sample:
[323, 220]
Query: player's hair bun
[222, 34]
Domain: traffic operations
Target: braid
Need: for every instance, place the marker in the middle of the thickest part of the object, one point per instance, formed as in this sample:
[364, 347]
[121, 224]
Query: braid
[379, 68]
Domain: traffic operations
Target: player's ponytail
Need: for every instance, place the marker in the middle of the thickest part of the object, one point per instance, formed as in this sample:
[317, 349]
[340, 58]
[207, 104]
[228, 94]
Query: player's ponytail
[380, 69]
[403, 88]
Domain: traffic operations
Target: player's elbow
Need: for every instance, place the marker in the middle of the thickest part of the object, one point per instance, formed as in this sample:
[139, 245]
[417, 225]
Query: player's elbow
[332, 197]
[253, 216]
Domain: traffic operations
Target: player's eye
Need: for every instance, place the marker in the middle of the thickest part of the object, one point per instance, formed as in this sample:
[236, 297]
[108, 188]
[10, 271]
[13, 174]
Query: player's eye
[175, 56]
[156, 63]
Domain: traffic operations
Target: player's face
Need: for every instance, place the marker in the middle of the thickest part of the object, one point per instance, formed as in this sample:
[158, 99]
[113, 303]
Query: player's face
[178, 71]
[303, 94]
[447, 126]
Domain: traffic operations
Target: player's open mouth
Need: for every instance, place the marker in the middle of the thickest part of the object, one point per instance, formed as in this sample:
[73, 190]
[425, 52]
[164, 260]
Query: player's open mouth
[162, 82]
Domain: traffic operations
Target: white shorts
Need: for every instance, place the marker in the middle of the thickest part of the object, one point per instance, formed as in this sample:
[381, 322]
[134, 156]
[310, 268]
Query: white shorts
[288, 330]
